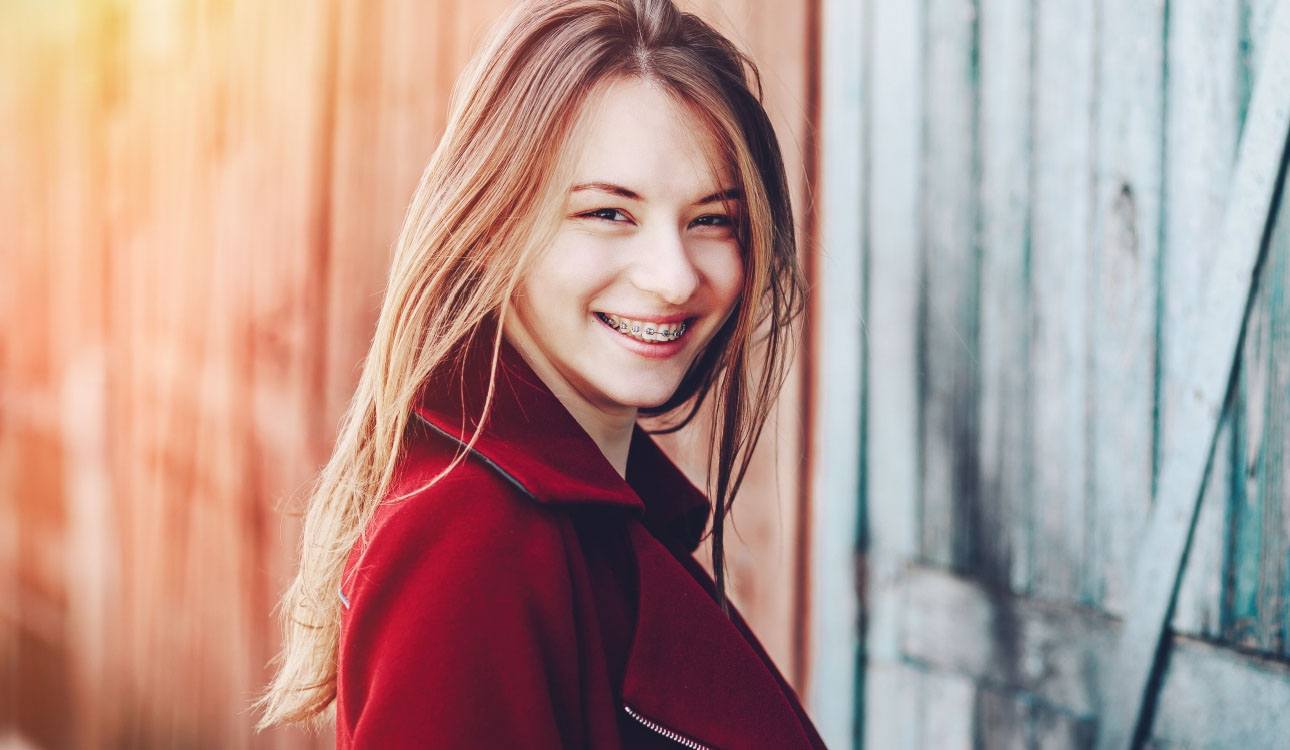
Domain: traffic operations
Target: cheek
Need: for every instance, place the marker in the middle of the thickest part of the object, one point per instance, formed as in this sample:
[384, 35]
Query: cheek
[565, 278]
[725, 273]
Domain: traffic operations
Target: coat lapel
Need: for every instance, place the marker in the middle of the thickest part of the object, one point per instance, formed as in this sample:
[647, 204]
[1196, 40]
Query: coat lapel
[686, 655]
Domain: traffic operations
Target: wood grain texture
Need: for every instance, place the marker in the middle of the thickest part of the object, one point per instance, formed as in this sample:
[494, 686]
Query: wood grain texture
[892, 249]
[951, 512]
[1061, 215]
[1005, 549]
[1205, 114]
[1212, 346]
[1210, 697]
[1125, 253]
[1102, 139]
[892, 444]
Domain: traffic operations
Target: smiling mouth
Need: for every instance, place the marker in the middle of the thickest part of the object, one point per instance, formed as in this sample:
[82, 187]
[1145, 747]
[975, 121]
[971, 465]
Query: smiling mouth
[645, 332]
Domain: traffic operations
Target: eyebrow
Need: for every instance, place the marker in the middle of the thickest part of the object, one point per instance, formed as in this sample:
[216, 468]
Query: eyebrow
[609, 187]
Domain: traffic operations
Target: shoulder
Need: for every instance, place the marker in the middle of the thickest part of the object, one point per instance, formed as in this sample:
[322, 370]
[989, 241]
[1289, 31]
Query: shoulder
[460, 595]
[472, 527]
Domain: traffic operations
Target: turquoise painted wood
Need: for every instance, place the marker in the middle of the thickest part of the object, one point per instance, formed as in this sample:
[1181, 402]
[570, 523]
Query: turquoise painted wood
[834, 686]
[1045, 186]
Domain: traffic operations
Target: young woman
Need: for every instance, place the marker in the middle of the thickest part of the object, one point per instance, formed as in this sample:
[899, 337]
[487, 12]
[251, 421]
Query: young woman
[497, 554]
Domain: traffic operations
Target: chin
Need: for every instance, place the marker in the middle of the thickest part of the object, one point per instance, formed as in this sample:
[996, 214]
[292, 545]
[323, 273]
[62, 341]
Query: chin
[647, 398]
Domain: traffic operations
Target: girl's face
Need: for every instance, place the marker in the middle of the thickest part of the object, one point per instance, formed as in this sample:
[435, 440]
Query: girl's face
[644, 268]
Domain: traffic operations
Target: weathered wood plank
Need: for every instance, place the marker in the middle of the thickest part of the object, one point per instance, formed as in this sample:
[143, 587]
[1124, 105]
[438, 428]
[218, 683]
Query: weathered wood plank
[1124, 254]
[1250, 506]
[1062, 206]
[950, 500]
[891, 473]
[1211, 697]
[894, 241]
[1049, 649]
[1215, 697]
[1253, 614]
[1210, 352]
[1259, 550]
[1004, 547]
[1202, 129]
[836, 489]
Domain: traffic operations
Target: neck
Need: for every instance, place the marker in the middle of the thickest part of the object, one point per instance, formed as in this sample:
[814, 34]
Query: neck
[609, 425]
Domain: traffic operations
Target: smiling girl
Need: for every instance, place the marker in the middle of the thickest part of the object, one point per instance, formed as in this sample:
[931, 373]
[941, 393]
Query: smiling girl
[497, 554]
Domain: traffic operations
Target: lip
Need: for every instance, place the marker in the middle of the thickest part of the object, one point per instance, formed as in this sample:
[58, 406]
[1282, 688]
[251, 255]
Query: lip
[661, 319]
[662, 350]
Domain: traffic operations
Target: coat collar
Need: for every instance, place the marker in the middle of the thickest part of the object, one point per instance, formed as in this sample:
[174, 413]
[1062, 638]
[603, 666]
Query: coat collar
[684, 650]
[533, 440]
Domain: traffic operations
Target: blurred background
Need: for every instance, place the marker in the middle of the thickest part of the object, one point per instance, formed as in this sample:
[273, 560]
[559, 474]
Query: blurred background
[201, 199]
[1010, 213]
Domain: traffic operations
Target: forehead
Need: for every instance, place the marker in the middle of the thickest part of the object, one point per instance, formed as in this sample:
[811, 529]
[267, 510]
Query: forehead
[634, 133]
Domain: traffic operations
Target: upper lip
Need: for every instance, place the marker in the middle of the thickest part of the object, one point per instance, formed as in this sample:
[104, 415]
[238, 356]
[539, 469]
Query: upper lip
[660, 319]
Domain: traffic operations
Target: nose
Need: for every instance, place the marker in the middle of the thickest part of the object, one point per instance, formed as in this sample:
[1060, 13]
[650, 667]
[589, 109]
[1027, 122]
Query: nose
[665, 269]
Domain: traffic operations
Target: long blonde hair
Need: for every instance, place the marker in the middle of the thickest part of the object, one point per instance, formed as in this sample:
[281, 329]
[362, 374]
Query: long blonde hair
[484, 208]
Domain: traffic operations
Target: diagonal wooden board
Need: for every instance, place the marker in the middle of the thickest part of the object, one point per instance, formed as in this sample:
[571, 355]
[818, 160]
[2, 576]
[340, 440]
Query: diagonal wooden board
[1214, 346]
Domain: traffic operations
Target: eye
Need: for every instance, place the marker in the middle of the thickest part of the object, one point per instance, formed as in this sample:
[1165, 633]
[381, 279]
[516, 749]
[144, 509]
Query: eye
[714, 220]
[606, 214]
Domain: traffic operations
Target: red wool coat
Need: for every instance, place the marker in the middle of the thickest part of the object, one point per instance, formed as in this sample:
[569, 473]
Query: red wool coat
[534, 598]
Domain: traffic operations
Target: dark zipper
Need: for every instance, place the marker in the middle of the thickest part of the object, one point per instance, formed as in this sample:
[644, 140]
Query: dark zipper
[668, 733]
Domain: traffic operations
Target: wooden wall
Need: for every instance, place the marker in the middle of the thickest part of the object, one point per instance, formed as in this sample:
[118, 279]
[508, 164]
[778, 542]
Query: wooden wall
[1038, 193]
[199, 200]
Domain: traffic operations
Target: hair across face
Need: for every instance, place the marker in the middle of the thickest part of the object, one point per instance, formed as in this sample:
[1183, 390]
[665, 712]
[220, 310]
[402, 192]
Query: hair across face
[645, 263]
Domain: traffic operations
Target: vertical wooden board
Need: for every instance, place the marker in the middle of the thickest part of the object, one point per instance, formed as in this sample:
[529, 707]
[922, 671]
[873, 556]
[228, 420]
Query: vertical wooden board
[837, 501]
[1005, 130]
[1061, 215]
[891, 444]
[1123, 286]
[1202, 127]
[951, 505]
[894, 241]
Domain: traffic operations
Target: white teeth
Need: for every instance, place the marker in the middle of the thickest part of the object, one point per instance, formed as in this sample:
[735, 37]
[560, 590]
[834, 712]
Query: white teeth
[644, 331]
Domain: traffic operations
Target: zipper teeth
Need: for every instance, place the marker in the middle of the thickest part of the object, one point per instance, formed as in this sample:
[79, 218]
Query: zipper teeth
[668, 733]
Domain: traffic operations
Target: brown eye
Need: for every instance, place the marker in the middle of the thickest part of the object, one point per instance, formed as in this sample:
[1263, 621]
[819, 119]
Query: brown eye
[607, 214]
[713, 220]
